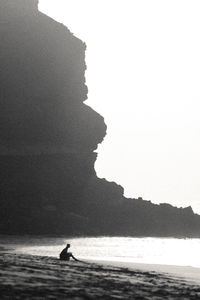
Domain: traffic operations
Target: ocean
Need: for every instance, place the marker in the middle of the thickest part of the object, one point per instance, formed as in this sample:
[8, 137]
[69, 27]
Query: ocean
[178, 257]
[165, 251]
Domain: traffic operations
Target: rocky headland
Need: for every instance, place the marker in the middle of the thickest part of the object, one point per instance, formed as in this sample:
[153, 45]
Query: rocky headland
[48, 138]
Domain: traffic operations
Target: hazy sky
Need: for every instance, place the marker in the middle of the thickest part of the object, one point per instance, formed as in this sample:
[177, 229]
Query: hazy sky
[143, 75]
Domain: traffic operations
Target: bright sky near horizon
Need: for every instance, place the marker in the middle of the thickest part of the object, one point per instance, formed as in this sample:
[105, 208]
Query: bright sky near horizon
[143, 75]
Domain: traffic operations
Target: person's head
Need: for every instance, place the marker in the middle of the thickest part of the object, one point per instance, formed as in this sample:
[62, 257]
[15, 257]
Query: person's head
[68, 246]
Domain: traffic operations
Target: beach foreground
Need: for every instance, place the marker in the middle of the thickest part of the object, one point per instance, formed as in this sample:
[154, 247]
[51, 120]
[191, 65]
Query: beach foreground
[37, 277]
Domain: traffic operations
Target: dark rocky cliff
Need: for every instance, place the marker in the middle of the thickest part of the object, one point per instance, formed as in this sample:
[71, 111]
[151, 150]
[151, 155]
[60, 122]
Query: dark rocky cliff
[47, 134]
[48, 137]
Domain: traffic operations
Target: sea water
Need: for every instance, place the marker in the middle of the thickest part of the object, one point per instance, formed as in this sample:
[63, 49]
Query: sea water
[161, 251]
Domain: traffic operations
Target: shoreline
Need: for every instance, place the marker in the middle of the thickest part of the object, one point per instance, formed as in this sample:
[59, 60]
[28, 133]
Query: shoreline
[24, 276]
[188, 273]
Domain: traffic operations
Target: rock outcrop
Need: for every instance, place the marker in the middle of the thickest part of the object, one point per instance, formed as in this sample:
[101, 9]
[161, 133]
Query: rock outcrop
[48, 136]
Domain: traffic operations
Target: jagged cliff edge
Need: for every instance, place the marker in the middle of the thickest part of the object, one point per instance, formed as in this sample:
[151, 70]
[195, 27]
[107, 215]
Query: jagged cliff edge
[48, 136]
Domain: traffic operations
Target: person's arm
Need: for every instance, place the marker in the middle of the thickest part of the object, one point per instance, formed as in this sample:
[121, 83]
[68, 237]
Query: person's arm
[74, 257]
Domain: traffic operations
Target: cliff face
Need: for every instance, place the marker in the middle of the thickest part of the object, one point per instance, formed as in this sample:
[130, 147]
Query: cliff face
[48, 137]
[43, 86]
[48, 134]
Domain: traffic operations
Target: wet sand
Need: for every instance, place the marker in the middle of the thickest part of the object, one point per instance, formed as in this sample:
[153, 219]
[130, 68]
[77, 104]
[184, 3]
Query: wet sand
[37, 277]
[187, 273]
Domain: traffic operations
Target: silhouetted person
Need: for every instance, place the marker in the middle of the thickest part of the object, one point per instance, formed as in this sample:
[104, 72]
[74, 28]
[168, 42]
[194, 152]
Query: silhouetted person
[65, 255]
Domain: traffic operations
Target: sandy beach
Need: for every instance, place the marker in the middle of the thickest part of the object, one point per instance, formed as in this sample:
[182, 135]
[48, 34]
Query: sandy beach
[38, 277]
[189, 274]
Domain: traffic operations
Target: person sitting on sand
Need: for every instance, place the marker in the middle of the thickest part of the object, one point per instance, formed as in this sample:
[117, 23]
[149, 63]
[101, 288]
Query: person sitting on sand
[65, 255]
